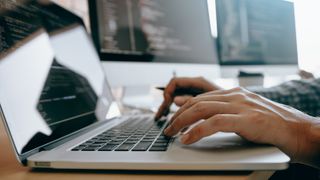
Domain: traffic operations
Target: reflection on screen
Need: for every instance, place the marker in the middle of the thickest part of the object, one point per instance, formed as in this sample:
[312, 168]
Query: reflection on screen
[67, 103]
[256, 32]
[69, 96]
[177, 30]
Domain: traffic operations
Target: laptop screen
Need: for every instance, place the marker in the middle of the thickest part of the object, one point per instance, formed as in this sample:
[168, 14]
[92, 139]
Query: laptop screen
[52, 84]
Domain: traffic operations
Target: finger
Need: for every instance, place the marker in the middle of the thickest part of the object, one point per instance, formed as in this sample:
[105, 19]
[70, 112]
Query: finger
[168, 95]
[199, 111]
[193, 101]
[181, 100]
[163, 110]
[174, 84]
[217, 123]
[222, 92]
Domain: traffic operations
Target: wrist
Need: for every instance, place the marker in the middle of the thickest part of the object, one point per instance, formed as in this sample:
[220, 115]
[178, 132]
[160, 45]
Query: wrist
[310, 151]
[302, 142]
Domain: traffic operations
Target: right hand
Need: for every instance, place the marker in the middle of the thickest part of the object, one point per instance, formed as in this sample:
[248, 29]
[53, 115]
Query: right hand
[182, 83]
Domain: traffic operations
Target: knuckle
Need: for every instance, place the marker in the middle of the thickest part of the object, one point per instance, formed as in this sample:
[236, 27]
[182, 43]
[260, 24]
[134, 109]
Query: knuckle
[255, 115]
[194, 100]
[217, 121]
[177, 123]
[171, 83]
[240, 96]
[237, 89]
[189, 102]
[199, 107]
[198, 131]
[253, 95]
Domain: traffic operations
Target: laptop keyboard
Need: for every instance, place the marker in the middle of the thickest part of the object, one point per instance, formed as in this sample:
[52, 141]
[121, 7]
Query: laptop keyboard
[139, 134]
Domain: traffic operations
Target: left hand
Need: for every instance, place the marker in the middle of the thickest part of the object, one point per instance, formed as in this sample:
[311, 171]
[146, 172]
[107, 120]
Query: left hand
[249, 115]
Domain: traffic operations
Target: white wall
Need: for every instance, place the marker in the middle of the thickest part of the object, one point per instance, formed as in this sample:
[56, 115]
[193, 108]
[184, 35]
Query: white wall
[308, 34]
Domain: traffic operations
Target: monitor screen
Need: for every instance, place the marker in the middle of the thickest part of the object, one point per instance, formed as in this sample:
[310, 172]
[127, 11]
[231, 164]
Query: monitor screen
[50, 75]
[153, 31]
[256, 32]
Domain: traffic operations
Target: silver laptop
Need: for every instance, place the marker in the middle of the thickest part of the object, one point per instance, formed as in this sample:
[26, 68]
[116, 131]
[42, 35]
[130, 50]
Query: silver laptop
[59, 112]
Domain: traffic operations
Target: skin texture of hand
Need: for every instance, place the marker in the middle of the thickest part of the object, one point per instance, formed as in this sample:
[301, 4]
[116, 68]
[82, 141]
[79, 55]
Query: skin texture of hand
[250, 116]
[182, 83]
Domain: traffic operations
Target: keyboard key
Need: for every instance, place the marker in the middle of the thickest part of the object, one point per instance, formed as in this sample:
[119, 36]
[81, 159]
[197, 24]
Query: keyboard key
[124, 147]
[95, 145]
[151, 136]
[81, 146]
[134, 139]
[162, 141]
[160, 145]
[136, 134]
[147, 140]
[114, 143]
[100, 142]
[130, 142]
[122, 137]
[142, 146]
[158, 148]
[161, 137]
[89, 149]
[108, 147]
[117, 141]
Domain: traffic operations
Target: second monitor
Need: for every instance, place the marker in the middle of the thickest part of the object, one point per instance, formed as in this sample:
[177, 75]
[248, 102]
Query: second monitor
[257, 35]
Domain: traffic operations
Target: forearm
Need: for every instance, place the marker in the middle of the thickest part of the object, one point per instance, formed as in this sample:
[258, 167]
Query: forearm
[300, 138]
[302, 95]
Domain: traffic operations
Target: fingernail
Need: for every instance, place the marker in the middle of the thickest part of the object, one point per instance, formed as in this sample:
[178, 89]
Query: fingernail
[185, 138]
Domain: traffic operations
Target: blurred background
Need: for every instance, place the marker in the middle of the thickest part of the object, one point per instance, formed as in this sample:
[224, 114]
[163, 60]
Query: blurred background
[307, 28]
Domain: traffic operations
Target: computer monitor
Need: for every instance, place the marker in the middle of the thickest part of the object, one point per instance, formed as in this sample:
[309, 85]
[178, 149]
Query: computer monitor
[147, 41]
[257, 36]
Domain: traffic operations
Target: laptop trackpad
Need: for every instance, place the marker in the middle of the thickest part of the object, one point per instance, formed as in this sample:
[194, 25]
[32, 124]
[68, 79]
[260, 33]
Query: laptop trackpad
[220, 141]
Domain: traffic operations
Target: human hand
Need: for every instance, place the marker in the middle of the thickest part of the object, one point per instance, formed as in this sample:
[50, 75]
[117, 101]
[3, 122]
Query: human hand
[198, 84]
[250, 116]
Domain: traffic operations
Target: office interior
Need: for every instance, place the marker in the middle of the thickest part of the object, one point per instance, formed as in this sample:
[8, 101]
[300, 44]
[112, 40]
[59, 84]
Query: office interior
[229, 52]
[300, 46]
[307, 37]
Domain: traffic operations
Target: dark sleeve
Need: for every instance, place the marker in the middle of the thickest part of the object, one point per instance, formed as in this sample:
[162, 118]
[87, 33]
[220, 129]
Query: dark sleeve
[303, 95]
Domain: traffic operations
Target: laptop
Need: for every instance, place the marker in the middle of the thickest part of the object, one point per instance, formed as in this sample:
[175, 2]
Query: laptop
[59, 112]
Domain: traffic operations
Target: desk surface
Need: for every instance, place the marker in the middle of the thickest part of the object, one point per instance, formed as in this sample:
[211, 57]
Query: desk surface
[11, 169]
